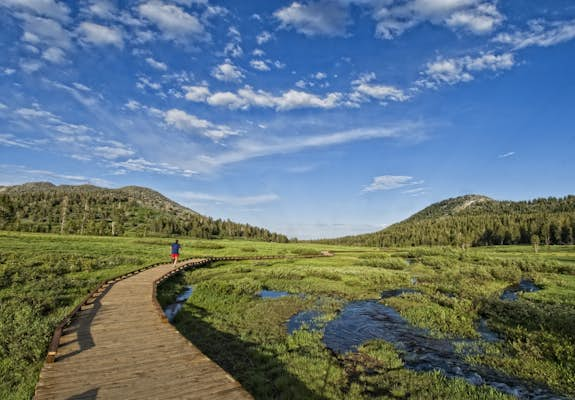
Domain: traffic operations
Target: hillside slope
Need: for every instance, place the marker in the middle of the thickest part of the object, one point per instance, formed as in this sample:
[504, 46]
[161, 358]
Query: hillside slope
[475, 220]
[91, 210]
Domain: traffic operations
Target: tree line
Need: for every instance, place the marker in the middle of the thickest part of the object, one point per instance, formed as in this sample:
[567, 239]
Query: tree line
[546, 221]
[107, 212]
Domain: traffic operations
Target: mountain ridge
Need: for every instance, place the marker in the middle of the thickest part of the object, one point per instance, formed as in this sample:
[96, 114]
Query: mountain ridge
[129, 210]
[475, 220]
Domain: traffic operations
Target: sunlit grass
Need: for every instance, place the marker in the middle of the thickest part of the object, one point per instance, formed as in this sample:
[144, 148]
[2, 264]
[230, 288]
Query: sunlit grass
[454, 290]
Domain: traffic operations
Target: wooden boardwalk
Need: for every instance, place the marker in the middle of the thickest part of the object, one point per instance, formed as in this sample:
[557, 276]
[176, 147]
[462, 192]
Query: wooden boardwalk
[119, 348]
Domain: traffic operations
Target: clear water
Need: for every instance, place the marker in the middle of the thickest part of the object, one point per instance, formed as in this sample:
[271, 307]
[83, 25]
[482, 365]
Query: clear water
[272, 294]
[173, 309]
[360, 321]
[308, 319]
[524, 285]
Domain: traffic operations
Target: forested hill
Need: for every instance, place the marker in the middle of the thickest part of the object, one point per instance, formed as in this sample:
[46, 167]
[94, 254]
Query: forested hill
[475, 220]
[91, 210]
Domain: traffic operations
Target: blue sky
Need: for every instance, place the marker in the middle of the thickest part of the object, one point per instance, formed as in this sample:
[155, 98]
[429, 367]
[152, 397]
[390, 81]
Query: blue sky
[313, 118]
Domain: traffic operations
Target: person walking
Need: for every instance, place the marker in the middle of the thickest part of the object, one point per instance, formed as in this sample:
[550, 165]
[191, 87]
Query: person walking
[176, 251]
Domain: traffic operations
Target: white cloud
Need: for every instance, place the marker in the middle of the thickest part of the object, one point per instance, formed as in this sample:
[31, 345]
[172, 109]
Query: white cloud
[214, 11]
[509, 154]
[133, 105]
[143, 165]
[34, 113]
[190, 123]
[227, 72]
[320, 75]
[363, 87]
[81, 87]
[475, 16]
[414, 192]
[100, 35]
[258, 53]
[301, 84]
[112, 151]
[47, 8]
[3, 106]
[264, 37]
[50, 122]
[144, 82]
[247, 97]
[389, 182]
[540, 33]
[101, 8]
[197, 93]
[81, 95]
[54, 55]
[30, 66]
[454, 70]
[234, 48]
[226, 99]
[156, 64]
[481, 19]
[184, 121]
[260, 65]
[45, 31]
[326, 18]
[231, 200]
[172, 20]
[298, 99]
[9, 140]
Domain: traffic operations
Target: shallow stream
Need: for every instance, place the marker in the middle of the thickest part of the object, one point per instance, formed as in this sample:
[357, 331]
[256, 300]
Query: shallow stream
[360, 321]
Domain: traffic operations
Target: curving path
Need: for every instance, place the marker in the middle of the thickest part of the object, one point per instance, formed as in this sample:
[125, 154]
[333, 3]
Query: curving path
[120, 347]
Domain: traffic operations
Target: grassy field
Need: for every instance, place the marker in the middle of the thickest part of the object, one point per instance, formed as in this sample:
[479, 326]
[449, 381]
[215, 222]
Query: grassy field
[247, 335]
[43, 277]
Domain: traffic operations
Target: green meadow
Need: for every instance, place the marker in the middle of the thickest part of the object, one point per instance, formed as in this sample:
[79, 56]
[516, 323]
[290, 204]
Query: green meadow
[42, 278]
[455, 289]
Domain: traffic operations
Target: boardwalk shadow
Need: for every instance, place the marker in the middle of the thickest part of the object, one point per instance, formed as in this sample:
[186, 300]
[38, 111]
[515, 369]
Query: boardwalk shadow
[91, 394]
[81, 326]
[263, 376]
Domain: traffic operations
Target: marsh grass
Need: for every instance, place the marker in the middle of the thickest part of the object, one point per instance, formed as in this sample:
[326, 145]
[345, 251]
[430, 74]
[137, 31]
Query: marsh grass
[44, 276]
[247, 335]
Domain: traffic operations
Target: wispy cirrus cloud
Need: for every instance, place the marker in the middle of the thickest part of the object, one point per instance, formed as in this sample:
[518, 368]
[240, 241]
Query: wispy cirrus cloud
[246, 149]
[9, 140]
[227, 199]
[142, 165]
[539, 33]
[390, 182]
[26, 174]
